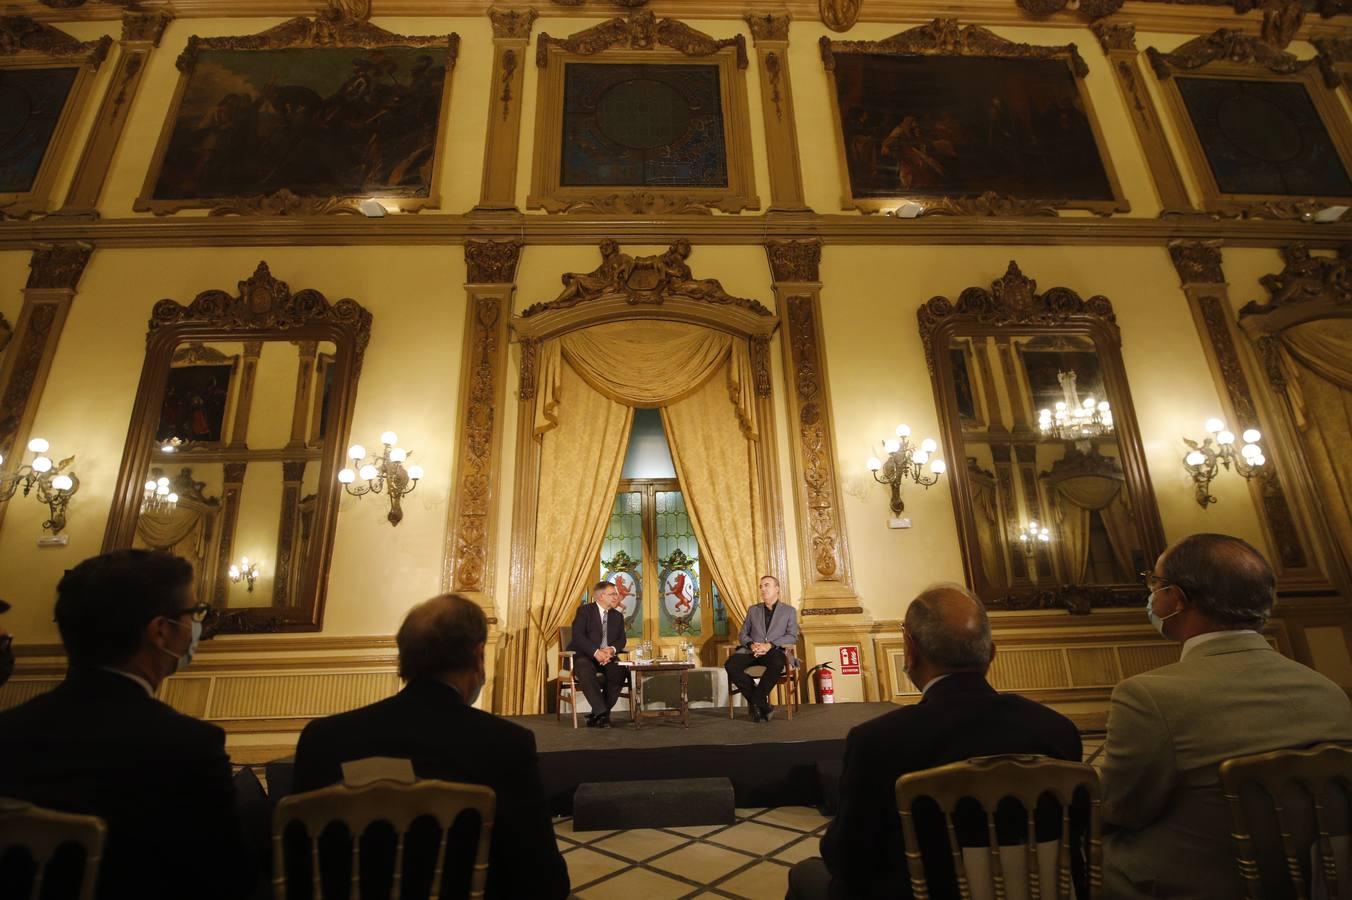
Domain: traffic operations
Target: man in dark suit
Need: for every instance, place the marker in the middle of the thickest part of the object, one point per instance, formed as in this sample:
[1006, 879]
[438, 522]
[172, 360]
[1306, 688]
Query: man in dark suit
[598, 637]
[101, 744]
[433, 723]
[948, 650]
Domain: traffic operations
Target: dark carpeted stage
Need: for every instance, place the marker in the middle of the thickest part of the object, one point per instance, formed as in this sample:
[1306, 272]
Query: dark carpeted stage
[769, 764]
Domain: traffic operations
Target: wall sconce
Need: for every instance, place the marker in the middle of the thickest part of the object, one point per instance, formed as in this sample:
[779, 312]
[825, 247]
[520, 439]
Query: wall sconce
[1203, 461]
[246, 571]
[904, 460]
[49, 482]
[1075, 419]
[382, 471]
[1032, 536]
[159, 498]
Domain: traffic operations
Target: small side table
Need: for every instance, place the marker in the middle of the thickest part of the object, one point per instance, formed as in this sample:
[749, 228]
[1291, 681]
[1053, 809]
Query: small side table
[658, 667]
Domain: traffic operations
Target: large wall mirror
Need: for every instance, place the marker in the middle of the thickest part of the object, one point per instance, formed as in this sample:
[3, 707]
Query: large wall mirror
[235, 442]
[1054, 506]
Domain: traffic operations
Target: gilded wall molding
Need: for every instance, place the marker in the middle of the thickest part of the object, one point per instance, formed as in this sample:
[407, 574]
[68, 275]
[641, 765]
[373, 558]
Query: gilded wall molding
[839, 15]
[639, 31]
[511, 35]
[492, 262]
[1224, 45]
[23, 36]
[331, 28]
[58, 266]
[512, 24]
[771, 34]
[1093, 10]
[794, 260]
[1200, 273]
[768, 26]
[293, 473]
[945, 37]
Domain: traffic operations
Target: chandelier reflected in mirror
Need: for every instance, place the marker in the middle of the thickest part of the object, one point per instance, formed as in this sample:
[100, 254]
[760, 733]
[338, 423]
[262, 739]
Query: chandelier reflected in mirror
[159, 498]
[1073, 418]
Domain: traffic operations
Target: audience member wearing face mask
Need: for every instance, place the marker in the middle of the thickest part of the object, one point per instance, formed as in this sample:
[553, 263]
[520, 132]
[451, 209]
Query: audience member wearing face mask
[101, 744]
[433, 723]
[1169, 729]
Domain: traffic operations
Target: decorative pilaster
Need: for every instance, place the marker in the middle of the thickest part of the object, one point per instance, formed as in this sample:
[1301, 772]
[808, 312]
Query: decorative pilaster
[239, 435]
[141, 33]
[305, 380]
[771, 34]
[828, 583]
[468, 559]
[1119, 44]
[511, 35]
[1200, 275]
[54, 274]
[293, 474]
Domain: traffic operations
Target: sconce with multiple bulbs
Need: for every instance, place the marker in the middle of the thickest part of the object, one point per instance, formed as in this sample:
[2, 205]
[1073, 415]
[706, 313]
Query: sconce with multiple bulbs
[1204, 460]
[50, 482]
[1074, 419]
[245, 571]
[1032, 536]
[159, 498]
[906, 460]
[385, 472]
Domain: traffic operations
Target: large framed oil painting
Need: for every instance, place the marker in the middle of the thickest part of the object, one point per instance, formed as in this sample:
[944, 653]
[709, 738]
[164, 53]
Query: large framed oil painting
[295, 121]
[44, 80]
[1266, 137]
[939, 115]
[196, 397]
[640, 115]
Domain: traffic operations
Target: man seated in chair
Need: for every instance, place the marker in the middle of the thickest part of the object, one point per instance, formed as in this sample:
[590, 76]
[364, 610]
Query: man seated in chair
[948, 644]
[598, 638]
[101, 744]
[433, 723]
[1230, 694]
[770, 628]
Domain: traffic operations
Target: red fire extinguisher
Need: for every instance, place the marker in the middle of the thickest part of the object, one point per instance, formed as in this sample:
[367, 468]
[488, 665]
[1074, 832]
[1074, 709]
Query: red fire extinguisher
[826, 691]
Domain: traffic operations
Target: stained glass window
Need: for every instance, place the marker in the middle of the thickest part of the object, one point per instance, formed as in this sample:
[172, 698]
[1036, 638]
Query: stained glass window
[678, 568]
[622, 558]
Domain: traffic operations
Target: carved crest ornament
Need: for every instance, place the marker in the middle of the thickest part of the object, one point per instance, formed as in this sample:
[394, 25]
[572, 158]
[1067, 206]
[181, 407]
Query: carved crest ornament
[945, 37]
[642, 280]
[640, 31]
[22, 35]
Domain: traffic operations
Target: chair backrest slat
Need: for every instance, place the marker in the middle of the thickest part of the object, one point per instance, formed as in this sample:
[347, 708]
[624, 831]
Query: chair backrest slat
[989, 781]
[42, 832]
[399, 805]
[1317, 773]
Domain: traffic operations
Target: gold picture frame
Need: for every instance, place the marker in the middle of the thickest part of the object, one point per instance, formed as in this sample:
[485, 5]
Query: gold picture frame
[27, 44]
[330, 30]
[1229, 55]
[944, 37]
[641, 38]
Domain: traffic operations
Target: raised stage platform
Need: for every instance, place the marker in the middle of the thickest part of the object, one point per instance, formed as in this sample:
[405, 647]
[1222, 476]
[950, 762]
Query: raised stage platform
[769, 764]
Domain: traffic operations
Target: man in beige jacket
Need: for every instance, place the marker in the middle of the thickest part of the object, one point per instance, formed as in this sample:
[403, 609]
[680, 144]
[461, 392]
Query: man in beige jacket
[1169, 729]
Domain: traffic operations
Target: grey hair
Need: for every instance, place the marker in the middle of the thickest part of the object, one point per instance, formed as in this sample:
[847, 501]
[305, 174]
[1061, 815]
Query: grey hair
[1224, 577]
[937, 641]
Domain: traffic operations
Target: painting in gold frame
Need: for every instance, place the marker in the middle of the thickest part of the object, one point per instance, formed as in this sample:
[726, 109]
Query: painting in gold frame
[940, 170]
[369, 103]
[1264, 138]
[45, 76]
[651, 52]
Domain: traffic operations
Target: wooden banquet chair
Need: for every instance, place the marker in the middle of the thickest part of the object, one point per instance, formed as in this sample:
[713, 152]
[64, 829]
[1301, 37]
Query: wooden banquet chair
[1290, 810]
[42, 832]
[395, 804]
[1026, 871]
[566, 686]
[786, 686]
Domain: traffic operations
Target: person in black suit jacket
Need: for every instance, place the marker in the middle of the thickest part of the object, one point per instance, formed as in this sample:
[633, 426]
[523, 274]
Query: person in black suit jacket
[948, 650]
[597, 647]
[101, 744]
[433, 723]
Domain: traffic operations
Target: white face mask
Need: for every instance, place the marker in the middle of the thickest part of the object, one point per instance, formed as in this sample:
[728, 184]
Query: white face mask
[1157, 620]
[473, 697]
[184, 659]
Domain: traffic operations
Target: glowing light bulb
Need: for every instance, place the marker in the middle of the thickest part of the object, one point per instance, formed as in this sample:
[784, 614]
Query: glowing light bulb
[1060, 406]
[415, 472]
[874, 464]
[891, 445]
[1252, 436]
[150, 485]
[1103, 406]
[1089, 403]
[1225, 438]
[1258, 460]
[162, 481]
[62, 482]
[356, 451]
[38, 445]
[172, 498]
[1213, 425]
[938, 466]
[161, 490]
[929, 445]
[42, 464]
[1195, 458]
[920, 457]
[1249, 451]
[903, 430]
[368, 472]
[398, 454]
[347, 476]
[389, 438]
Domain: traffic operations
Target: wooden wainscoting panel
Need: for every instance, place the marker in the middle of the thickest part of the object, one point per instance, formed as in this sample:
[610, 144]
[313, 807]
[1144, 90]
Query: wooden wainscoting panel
[186, 694]
[1138, 658]
[297, 695]
[1023, 670]
[21, 690]
[1093, 666]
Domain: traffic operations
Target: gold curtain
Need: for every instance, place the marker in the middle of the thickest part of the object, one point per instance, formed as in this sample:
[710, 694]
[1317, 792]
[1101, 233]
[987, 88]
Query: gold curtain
[1086, 494]
[988, 529]
[1317, 357]
[182, 533]
[716, 462]
[581, 454]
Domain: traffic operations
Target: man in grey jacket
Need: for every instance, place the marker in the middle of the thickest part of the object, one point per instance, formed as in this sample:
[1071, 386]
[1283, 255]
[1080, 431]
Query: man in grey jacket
[1169, 729]
[769, 628]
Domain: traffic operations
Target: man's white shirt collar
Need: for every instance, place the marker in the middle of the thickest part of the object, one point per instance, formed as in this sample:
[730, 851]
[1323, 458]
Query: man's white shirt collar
[136, 678]
[1198, 640]
[932, 682]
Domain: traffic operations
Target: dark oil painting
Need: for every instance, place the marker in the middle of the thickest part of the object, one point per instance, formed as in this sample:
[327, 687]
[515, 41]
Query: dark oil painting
[1264, 137]
[643, 126]
[962, 384]
[194, 404]
[318, 122]
[31, 101]
[959, 126]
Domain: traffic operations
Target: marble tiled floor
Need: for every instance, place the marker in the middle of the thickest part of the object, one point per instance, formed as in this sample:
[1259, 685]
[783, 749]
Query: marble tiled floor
[748, 860]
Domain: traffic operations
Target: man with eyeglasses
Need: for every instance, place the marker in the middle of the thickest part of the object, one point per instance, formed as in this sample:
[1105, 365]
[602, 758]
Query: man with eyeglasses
[1230, 694]
[101, 744]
